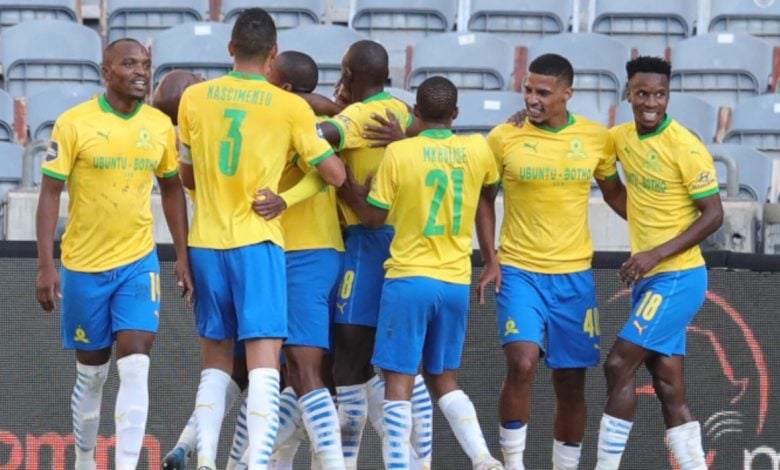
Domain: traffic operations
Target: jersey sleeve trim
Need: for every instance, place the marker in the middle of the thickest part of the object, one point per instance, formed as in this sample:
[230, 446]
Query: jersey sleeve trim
[341, 132]
[494, 183]
[704, 194]
[322, 157]
[612, 177]
[171, 173]
[54, 175]
[376, 203]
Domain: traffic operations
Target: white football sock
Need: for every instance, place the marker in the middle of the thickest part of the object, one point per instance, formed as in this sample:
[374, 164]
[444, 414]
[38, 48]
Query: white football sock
[613, 435]
[209, 413]
[397, 433]
[238, 447]
[513, 446]
[422, 424]
[321, 421]
[685, 441]
[462, 416]
[352, 411]
[262, 416]
[284, 456]
[566, 456]
[85, 403]
[188, 439]
[375, 397]
[289, 417]
[132, 408]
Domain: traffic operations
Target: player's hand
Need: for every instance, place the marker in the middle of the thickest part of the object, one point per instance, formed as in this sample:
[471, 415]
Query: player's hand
[518, 119]
[388, 131]
[268, 204]
[184, 280]
[352, 192]
[47, 287]
[322, 105]
[490, 273]
[633, 270]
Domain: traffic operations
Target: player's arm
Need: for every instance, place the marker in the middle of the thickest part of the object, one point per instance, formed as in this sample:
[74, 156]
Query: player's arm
[186, 174]
[269, 205]
[175, 210]
[331, 133]
[47, 285]
[321, 105]
[614, 194]
[372, 214]
[710, 219]
[388, 129]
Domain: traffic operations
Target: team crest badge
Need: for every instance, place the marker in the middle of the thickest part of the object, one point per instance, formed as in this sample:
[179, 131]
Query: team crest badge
[144, 141]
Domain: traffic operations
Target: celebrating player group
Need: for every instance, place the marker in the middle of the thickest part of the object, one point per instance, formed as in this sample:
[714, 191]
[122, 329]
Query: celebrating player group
[332, 238]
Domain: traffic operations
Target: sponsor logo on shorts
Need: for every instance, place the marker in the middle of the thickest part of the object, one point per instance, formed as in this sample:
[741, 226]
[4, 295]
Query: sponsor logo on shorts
[81, 336]
[510, 328]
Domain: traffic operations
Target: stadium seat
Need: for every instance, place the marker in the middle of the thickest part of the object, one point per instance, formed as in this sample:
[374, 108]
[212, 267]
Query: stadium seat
[6, 117]
[399, 23]
[694, 113]
[198, 47]
[39, 53]
[649, 27]
[13, 12]
[521, 21]
[326, 44]
[481, 111]
[599, 70]
[11, 156]
[722, 68]
[755, 123]
[44, 107]
[473, 61]
[143, 19]
[757, 18]
[406, 96]
[753, 167]
[286, 13]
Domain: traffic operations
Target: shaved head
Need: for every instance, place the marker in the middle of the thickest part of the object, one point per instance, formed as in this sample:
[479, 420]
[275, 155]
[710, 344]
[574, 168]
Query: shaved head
[296, 69]
[109, 51]
[368, 62]
[168, 93]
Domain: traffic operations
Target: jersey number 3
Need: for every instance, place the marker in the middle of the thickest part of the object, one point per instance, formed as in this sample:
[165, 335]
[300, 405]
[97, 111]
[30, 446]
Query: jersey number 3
[230, 149]
[439, 180]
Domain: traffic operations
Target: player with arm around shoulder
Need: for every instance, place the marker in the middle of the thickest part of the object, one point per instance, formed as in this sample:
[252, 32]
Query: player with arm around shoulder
[430, 185]
[107, 150]
[673, 204]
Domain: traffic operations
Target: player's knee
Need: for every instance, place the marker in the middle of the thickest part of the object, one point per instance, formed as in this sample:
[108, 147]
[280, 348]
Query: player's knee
[615, 369]
[520, 368]
[669, 393]
[569, 383]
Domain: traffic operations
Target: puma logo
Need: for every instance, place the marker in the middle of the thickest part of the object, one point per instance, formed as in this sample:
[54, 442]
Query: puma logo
[639, 327]
[103, 134]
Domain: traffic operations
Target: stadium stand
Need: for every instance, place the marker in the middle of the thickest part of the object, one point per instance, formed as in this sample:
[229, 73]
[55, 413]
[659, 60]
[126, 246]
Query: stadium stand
[13, 12]
[44, 107]
[72, 54]
[754, 170]
[406, 96]
[755, 123]
[143, 19]
[10, 168]
[521, 21]
[480, 111]
[599, 70]
[472, 61]
[694, 113]
[649, 27]
[197, 47]
[286, 13]
[6, 117]
[326, 44]
[397, 24]
[757, 18]
[721, 68]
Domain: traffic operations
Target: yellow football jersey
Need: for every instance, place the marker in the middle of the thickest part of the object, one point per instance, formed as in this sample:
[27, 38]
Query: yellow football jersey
[239, 129]
[546, 175]
[353, 148]
[314, 222]
[665, 172]
[108, 160]
[431, 185]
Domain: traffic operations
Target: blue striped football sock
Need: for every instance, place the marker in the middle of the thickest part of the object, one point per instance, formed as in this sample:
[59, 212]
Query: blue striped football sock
[422, 419]
[262, 415]
[398, 431]
[613, 435]
[321, 421]
[352, 412]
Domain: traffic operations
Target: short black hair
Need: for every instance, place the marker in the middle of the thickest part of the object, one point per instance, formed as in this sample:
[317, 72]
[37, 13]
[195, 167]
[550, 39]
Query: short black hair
[437, 98]
[253, 35]
[112, 45]
[299, 70]
[368, 62]
[553, 65]
[648, 64]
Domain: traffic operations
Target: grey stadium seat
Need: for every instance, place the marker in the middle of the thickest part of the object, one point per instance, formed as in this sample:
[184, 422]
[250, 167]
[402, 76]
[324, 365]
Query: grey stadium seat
[72, 54]
[143, 19]
[649, 26]
[722, 68]
[6, 117]
[398, 23]
[599, 70]
[695, 114]
[198, 47]
[326, 44]
[521, 21]
[472, 61]
[755, 123]
[44, 107]
[481, 111]
[754, 169]
[758, 18]
[406, 96]
[13, 12]
[286, 13]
